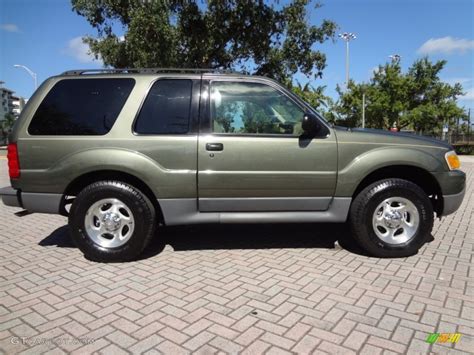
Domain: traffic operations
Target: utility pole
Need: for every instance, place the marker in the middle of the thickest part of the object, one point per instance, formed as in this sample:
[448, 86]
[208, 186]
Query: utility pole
[469, 126]
[347, 37]
[363, 110]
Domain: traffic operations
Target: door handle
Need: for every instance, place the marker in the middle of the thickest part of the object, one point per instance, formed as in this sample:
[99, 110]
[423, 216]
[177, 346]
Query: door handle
[214, 147]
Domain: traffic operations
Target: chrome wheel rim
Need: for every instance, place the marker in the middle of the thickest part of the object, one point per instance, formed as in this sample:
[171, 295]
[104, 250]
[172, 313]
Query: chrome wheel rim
[109, 223]
[396, 220]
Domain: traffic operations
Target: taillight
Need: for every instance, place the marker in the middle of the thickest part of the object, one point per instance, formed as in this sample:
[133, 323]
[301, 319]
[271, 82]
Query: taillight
[13, 161]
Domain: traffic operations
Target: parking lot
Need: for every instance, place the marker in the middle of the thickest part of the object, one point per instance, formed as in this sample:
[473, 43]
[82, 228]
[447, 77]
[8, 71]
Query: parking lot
[235, 289]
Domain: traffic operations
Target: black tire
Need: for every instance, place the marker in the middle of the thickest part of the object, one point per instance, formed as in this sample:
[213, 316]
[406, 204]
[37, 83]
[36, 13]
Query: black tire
[142, 210]
[366, 202]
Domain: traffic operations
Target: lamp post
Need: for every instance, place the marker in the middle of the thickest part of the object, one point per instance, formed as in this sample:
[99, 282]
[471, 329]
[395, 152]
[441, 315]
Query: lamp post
[469, 128]
[347, 37]
[395, 58]
[29, 71]
[363, 109]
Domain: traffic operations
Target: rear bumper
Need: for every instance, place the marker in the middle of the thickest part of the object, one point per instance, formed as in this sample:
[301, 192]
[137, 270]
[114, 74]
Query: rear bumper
[10, 196]
[31, 201]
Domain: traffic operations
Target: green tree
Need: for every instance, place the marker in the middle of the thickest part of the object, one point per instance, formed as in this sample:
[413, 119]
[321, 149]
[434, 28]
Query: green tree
[224, 116]
[347, 111]
[255, 120]
[418, 99]
[6, 125]
[252, 36]
[313, 96]
[432, 102]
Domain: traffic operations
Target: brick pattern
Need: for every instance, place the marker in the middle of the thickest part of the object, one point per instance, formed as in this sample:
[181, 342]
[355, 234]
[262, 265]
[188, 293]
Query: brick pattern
[234, 289]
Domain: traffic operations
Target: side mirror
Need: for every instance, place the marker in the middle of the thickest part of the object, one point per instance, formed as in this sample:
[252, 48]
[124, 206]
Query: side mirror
[310, 124]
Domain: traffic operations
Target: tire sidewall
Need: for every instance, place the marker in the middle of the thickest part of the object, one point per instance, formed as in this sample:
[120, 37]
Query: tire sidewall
[92, 250]
[421, 232]
[367, 202]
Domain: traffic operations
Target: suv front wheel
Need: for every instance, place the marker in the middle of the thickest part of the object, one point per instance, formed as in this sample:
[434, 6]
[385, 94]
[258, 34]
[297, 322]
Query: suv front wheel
[391, 218]
[111, 221]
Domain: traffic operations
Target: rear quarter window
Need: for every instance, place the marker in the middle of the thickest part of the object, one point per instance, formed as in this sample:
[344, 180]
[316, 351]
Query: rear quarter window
[81, 107]
[166, 108]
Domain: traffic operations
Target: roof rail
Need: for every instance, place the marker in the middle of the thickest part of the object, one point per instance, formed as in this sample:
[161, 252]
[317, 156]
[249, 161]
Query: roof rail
[146, 71]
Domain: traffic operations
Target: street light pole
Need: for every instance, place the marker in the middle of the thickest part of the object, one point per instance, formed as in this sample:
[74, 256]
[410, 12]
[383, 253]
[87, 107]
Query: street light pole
[363, 109]
[347, 37]
[469, 127]
[29, 71]
[347, 63]
[395, 58]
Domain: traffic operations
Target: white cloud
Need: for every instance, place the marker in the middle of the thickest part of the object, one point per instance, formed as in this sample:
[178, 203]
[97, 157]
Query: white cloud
[9, 27]
[446, 45]
[462, 81]
[468, 96]
[467, 84]
[80, 51]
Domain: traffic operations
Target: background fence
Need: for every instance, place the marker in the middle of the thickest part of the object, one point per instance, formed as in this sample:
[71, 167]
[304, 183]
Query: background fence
[462, 142]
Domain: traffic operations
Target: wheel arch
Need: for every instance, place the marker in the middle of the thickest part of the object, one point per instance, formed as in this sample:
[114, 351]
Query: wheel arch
[80, 182]
[419, 176]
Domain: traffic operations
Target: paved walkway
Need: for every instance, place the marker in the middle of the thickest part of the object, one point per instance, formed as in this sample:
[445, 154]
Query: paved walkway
[254, 289]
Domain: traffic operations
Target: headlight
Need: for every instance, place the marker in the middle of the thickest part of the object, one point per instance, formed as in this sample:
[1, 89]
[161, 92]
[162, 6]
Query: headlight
[452, 160]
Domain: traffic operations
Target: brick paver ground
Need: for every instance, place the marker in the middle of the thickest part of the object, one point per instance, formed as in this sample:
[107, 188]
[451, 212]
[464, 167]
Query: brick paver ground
[231, 289]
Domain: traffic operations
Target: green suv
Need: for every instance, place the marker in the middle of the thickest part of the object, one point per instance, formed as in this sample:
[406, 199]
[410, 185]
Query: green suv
[122, 151]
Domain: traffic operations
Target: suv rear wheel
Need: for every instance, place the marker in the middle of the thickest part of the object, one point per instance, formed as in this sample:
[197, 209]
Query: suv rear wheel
[111, 221]
[391, 218]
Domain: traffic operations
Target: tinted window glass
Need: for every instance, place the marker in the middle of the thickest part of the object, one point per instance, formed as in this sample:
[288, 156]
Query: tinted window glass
[81, 107]
[166, 108]
[253, 108]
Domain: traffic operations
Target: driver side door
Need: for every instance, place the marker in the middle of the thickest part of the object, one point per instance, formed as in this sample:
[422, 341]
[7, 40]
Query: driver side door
[252, 154]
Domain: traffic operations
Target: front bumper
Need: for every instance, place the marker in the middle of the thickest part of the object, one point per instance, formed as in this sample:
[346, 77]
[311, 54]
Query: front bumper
[451, 182]
[451, 203]
[453, 188]
[31, 201]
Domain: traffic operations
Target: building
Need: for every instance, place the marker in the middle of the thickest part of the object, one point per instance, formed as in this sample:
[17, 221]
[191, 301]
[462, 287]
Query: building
[6, 101]
[10, 103]
[18, 104]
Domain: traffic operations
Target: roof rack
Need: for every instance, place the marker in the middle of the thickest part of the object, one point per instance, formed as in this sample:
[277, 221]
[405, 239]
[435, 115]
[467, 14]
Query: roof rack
[146, 71]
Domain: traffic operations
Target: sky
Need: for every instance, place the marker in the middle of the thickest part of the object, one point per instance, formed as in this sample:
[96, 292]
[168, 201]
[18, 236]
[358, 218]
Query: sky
[45, 35]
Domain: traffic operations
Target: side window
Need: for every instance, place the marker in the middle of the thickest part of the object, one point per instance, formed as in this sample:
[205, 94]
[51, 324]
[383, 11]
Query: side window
[166, 109]
[81, 107]
[253, 108]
